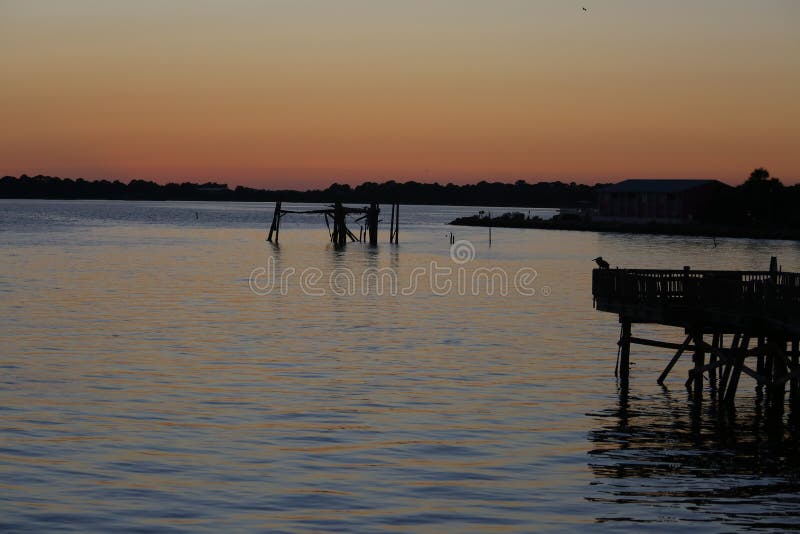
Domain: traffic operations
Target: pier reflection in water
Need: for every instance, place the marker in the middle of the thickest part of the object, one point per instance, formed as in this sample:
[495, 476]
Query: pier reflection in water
[665, 459]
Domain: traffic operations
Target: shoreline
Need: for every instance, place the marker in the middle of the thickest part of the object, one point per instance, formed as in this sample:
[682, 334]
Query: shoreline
[675, 229]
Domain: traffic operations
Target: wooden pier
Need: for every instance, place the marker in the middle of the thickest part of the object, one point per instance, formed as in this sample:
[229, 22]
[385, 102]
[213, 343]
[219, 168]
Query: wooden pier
[338, 214]
[746, 322]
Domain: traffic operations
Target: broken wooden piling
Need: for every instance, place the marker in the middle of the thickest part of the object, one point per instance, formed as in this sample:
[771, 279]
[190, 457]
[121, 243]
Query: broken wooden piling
[276, 222]
[394, 224]
[372, 223]
[338, 213]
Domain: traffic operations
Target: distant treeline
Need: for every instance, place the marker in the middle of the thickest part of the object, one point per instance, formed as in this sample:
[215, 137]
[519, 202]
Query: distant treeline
[761, 199]
[520, 193]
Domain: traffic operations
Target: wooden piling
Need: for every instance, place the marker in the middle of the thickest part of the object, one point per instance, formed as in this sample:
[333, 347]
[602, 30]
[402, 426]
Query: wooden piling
[276, 221]
[727, 367]
[625, 352]
[372, 223]
[339, 224]
[394, 226]
[777, 394]
[699, 361]
[391, 226]
[736, 371]
[278, 226]
[716, 345]
[794, 381]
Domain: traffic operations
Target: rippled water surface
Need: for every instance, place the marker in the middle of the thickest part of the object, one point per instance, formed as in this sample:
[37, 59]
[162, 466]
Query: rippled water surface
[146, 386]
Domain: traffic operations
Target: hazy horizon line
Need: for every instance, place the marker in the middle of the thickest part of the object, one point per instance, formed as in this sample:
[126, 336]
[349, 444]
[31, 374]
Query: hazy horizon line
[426, 180]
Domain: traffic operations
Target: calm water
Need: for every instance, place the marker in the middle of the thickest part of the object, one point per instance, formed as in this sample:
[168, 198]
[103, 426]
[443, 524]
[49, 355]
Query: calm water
[146, 387]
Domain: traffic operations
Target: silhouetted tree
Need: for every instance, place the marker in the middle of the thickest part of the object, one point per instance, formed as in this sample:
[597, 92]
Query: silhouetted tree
[758, 175]
[761, 196]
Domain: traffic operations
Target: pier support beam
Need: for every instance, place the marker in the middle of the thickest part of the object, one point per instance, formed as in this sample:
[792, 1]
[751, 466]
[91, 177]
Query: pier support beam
[625, 353]
[394, 224]
[276, 223]
[391, 226]
[779, 374]
[674, 360]
[794, 382]
[339, 236]
[739, 354]
[699, 359]
[750, 319]
[713, 362]
[725, 365]
[372, 223]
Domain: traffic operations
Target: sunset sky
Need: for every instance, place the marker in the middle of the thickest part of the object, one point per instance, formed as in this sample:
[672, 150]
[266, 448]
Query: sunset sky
[302, 93]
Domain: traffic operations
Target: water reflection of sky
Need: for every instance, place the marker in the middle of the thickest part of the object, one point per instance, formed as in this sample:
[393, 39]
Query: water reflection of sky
[145, 386]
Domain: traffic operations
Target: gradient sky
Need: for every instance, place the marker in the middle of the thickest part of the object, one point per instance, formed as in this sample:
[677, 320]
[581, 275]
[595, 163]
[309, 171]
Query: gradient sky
[303, 93]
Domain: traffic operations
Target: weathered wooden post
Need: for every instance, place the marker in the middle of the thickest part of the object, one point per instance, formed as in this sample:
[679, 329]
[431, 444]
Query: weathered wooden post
[716, 345]
[397, 225]
[335, 231]
[391, 225]
[779, 371]
[794, 382]
[394, 227]
[339, 225]
[276, 221]
[372, 223]
[739, 356]
[763, 343]
[625, 352]
[699, 361]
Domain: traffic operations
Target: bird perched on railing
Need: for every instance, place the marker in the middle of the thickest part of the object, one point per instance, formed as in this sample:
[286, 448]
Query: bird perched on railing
[603, 264]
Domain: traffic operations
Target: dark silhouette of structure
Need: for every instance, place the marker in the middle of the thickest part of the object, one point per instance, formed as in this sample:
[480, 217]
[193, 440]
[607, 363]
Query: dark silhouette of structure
[675, 201]
[734, 317]
[338, 214]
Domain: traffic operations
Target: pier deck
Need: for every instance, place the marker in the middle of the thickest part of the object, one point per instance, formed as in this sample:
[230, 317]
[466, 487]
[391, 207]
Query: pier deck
[757, 311]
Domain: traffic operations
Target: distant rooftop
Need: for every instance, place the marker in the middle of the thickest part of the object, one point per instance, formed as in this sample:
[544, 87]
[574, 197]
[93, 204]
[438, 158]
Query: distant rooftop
[657, 186]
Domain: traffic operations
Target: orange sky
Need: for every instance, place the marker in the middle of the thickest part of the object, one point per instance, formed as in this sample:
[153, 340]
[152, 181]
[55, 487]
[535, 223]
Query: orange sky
[301, 93]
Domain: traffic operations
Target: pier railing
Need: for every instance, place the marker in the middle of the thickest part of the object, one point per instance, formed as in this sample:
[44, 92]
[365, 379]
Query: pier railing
[771, 296]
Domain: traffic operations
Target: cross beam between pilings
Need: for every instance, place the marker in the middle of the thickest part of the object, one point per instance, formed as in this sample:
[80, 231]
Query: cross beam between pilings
[337, 214]
[737, 324]
[776, 361]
